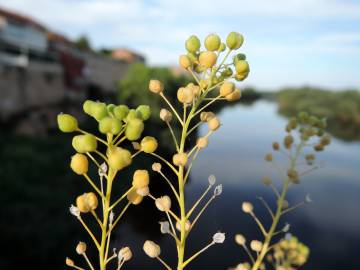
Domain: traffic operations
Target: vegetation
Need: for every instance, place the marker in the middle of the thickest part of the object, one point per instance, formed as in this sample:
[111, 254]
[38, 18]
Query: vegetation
[341, 109]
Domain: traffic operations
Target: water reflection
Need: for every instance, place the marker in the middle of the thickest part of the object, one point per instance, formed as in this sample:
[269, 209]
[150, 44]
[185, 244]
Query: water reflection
[330, 226]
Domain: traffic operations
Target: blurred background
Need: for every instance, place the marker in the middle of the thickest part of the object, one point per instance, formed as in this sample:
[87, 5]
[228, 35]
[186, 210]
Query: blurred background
[304, 55]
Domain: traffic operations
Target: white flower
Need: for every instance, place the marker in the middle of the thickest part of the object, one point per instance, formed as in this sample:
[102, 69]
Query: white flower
[102, 170]
[111, 217]
[164, 227]
[218, 190]
[219, 238]
[212, 180]
[74, 211]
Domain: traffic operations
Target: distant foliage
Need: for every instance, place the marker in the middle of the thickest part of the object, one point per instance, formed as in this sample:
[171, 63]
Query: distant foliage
[342, 109]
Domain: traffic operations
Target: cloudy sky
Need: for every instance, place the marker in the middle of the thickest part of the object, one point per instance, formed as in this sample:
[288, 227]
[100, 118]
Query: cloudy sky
[287, 42]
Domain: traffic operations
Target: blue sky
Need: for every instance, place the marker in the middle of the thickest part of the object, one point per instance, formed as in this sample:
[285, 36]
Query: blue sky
[287, 42]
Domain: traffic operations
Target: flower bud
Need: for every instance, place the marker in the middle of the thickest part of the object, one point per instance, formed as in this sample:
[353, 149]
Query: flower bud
[234, 95]
[79, 164]
[134, 128]
[81, 248]
[84, 143]
[125, 253]
[156, 167]
[247, 207]
[266, 180]
[240, 239]
[144, 112]
[226, 89]
[206, 116]
[99, 110]
[288, 141]
[151, 249]
[121, 111]
[222, 47]
[202, 142]
[293, 176]
[144, 191]
[185, 95]
[149, 144]
[207, 59]
[109, 125]
[87, 106]
[156, 86]
[119, 158]
[187, 225]
[325, 140]
[67, 123]
[192, 44]
[214, 123]
[212, 42]
[163, 203]
[195, 89]
[140, 179]
[185, 61]
[86, 202]
[180, 159]
[165, 115]
[318, 147]
[69, 262]
[242, 67]
[234, 40]
[268, 157]
[256, 245]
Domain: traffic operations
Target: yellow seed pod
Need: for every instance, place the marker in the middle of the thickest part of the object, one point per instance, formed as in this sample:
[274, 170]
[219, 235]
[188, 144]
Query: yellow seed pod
[184, 61]
[256, 245]
[69, 262]
[247, 207]
[202, 142]
[276, 146]
[149, 144]
[242, 67]
[226, 89]
[185, 95]
[125, 253]
[79, 164]
[156, 86]
[82, 204]
[91, 200]
[81, 248]
[67, 123]
[207, 59]
[240, 239]
[119, 158]
[134, 197]
[236, 95]
[84, 143]
[234, 40]
[180, 159]
[212, 42]
[163, 203]
[268, 157]
[140, 179]
[206, 116]
[214, 123]
[144, 191]
[187, 225]
[151, 249]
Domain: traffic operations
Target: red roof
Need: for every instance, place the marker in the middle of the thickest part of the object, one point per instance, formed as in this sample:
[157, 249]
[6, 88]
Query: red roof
[21, 18]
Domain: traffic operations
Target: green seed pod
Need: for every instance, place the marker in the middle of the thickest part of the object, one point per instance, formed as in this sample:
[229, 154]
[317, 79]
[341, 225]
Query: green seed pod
[293, 123]
[84, 143]
[119, 158]
[234, 40]
[242, 67]
[212, 42]
[109, 125]
[276, 146]
[110, 108]
[320, 132]
[325, 140]
[227, 72]
[87, 106]
[239, 57]
[207, 59]
[318, 147]
[304, 117]
[193, 57]
[134, 129]
[121, 112]
[79, 164]
[192, 44]
[313, 120]
[293, 176]
[99, 110]
[149, 144]
[185, 61]
[67, 123]
[144, 112]
[288, 141]
[222, 47]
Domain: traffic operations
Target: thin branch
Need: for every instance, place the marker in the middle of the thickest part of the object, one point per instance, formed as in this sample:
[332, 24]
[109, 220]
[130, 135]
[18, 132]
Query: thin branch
[198, 202]
[89, 232]
[93, 185]
[166, 162]
[266, 206]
